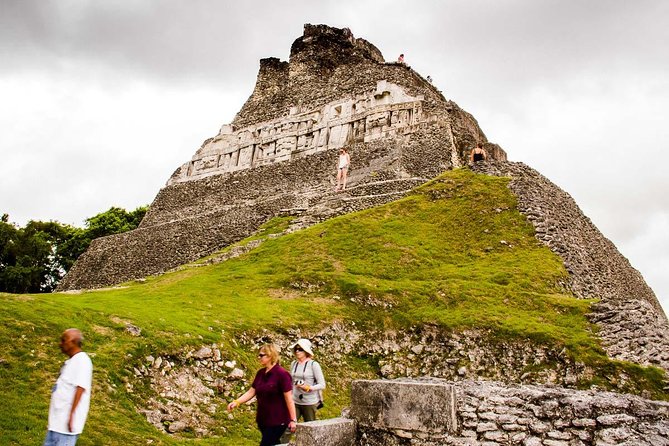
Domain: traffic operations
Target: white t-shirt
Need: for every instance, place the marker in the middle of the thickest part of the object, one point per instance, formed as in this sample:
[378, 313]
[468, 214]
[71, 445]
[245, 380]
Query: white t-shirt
[76, 372]
[343, 160]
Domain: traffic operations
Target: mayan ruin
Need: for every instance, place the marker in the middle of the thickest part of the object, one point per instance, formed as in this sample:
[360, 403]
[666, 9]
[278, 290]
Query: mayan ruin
[438, 387]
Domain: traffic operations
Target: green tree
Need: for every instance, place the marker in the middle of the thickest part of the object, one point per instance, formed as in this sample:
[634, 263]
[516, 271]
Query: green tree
[35, 258]
[27, 264]
[114, 221]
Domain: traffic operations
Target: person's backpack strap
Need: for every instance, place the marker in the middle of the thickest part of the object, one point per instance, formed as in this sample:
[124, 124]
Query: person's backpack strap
[312, 371]
[320, 392]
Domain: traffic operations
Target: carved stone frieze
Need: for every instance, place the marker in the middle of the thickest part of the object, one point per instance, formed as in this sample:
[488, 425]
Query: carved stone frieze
[386, 111]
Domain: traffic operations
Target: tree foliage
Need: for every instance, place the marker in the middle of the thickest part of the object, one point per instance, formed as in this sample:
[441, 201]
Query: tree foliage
[36, 257]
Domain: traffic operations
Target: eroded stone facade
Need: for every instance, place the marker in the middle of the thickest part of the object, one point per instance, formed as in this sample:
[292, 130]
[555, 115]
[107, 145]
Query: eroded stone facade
[279, 155]
[386, 111]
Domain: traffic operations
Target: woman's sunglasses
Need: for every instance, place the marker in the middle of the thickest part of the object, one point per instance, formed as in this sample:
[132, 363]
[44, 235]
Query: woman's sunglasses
[298, 349]
[261, 355]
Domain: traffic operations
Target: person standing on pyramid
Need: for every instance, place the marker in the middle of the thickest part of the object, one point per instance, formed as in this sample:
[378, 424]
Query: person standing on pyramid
[342, 169]
[478, 154]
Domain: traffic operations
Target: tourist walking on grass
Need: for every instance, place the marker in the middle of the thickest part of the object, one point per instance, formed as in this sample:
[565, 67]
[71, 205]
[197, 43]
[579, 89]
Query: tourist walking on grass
[272, 387]
[308, 381]
[342, 169]
[71, 395]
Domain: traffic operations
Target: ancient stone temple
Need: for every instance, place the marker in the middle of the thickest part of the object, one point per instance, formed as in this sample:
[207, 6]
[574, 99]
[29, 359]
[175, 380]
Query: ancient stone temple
[279, 156]
[280, 153]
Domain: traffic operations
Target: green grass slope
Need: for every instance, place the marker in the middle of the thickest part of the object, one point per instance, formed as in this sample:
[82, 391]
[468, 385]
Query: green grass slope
[456, 253]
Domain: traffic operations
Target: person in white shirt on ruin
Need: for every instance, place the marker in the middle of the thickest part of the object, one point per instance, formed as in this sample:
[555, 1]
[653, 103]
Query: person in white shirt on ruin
[342, 169]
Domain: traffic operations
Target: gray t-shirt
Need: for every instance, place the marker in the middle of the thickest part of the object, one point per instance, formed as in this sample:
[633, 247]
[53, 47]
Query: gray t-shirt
[311, 374]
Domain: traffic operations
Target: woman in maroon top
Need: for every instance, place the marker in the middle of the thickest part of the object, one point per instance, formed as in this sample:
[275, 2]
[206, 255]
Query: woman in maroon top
[273, 388]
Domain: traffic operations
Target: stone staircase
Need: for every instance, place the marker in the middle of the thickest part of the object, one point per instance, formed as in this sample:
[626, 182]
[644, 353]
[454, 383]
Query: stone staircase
[327, 203]
[322, 202]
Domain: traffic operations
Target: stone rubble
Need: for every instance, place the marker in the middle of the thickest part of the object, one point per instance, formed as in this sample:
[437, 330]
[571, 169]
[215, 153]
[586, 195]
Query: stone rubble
[188, 387]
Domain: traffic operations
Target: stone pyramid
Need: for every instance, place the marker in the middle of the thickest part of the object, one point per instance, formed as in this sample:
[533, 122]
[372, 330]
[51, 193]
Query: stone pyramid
[279, 157]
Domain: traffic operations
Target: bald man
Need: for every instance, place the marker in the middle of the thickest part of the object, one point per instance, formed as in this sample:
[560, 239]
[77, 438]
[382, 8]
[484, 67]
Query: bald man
[71, 395]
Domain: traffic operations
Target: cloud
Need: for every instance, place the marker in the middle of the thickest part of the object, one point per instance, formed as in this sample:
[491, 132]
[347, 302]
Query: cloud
[81, 149]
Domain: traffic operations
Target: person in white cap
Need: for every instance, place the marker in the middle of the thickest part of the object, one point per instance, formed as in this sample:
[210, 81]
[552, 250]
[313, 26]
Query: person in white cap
[308, 381]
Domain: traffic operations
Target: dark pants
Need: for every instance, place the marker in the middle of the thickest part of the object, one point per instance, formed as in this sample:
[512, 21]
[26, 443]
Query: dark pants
[271, 435]
[308, 412]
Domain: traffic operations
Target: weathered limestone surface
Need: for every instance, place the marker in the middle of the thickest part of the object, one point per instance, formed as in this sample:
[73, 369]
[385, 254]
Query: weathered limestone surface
[280, 153]
[490, 413]
[329, 432]
[404, 406]
[633, 324]
[385, 111]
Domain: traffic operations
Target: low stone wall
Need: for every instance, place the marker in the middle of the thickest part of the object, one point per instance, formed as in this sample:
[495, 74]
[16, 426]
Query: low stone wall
[185, 388]
[633, 324]
[492, 414]
[183, 382]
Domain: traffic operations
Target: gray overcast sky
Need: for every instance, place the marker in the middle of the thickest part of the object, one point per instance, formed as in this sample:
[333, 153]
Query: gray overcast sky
[101, 101]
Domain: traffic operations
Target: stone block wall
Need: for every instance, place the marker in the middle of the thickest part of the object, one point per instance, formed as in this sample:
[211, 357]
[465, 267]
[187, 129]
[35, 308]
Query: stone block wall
[632, 324]
[492, 414]
[451, 403]
[329, 432]
[404, 407]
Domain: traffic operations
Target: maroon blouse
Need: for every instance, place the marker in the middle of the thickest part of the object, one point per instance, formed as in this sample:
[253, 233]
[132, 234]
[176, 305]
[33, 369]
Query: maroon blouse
[270, 387]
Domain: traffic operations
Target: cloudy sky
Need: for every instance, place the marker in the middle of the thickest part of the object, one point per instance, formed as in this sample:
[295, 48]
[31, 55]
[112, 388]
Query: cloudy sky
[101, 101]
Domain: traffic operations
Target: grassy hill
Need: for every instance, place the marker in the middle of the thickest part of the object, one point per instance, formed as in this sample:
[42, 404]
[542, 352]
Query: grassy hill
[455, 254]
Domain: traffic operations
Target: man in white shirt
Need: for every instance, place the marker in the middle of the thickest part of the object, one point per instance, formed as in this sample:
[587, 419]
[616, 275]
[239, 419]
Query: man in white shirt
[71, 395]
